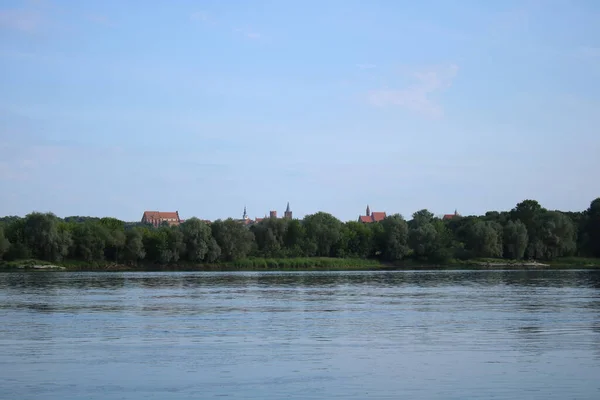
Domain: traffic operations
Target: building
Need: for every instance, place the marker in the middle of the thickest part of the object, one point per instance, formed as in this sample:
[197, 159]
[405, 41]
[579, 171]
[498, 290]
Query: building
[451, 216]
[156, 218]
[272, 214]
[288, 213]
[374, 216]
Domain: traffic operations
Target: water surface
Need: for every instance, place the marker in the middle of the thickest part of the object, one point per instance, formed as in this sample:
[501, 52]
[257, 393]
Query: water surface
[261, 335]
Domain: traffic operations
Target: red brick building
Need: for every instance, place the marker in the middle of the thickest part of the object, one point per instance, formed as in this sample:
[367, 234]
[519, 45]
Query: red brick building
[156, 218]
[374, 216]
[450, 216]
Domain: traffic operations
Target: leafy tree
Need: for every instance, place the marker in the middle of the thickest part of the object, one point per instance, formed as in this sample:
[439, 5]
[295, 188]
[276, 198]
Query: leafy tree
[485, 239]
[359, 239]
[4, 243]
[556, 235]
[322, 232]
[89, 241]
[592, 228]
[134, 246]
[234, 239]
[41, 234]
[515, 239]
[529, 212]
[196, 237]
[395, 238]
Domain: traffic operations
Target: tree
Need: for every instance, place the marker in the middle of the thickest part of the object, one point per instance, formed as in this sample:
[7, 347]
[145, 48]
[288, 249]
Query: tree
[395, 238]
[322, 233]
[89, 241]
[485, 239]
[515, 240]
[529, 212]
[429, 237]
[556, 235]
[359, 239]
[4, 243]
[134, 246]
[592, 228]
[196, 237]
[234, 239]
[270, 236]
[42, 235]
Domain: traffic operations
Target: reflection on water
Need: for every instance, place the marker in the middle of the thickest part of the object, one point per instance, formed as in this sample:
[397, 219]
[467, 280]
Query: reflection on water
[266, 335]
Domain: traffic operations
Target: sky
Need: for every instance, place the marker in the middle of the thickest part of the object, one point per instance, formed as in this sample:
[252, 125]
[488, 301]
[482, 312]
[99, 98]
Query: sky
[110, 108]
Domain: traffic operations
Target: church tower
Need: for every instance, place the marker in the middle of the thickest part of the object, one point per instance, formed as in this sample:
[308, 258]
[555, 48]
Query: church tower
[368, 214]
[288, 213]
[245, 216]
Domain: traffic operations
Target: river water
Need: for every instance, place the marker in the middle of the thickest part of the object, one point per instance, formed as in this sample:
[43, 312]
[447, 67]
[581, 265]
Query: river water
[300, 335]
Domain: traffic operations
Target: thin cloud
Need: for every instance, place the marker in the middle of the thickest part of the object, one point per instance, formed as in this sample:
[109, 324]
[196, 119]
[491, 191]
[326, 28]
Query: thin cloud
[249, 33]
[20, 20]
[203, 17]
[417, 97]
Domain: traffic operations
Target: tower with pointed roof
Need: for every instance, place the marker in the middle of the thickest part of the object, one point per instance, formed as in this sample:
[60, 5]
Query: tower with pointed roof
[245, 216]
[288, 213]
[368, 214]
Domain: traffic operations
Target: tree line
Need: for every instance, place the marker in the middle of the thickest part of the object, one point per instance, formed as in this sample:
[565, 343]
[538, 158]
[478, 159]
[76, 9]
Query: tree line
[528, 231]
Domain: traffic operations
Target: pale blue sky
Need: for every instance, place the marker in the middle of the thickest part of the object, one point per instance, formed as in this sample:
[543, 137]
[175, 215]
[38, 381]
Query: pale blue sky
[110, 108]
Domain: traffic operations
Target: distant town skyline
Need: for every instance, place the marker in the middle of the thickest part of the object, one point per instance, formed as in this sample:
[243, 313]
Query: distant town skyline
[473, 106]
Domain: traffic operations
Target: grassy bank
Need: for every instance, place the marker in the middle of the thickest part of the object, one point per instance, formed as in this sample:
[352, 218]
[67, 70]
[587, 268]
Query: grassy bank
[306, 264]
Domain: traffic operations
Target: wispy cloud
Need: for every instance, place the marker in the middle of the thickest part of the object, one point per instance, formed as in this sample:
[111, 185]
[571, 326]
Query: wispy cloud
[20, 20]
[207, 19]
[201, 16]
[418, 96]
[250, 34]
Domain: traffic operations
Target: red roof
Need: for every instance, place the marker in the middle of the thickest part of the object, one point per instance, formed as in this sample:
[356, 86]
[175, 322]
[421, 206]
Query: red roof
[378, 216]
[450, 216]
[160, 215]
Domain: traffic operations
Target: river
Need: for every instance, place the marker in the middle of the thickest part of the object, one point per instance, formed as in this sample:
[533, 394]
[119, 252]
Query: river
[301, 335]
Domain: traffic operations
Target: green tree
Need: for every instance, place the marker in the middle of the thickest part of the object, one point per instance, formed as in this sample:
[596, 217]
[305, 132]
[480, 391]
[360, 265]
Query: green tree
[4, 243]
[196, 237]
[429, 237]
[556, 235]
[322, 233]
[89, 241]
[395, 238]
[515, 240]
[529, 213]
[270, 236]
[485, 239]
[134, 246]
[360, 239]
[234, 239]
[592, 228]
[43, 237]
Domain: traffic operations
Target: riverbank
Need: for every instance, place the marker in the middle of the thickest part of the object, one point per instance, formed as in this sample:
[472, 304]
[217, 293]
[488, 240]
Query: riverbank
[305, 264]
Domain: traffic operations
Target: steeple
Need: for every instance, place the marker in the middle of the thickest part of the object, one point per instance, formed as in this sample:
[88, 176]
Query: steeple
[288, 207]
[288, 213]
[368, 211]
[245, 216]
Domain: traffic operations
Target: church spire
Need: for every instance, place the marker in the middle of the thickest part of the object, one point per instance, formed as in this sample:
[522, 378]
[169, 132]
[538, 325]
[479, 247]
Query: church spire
[288, 213]
[245, 216]
[368, 211]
